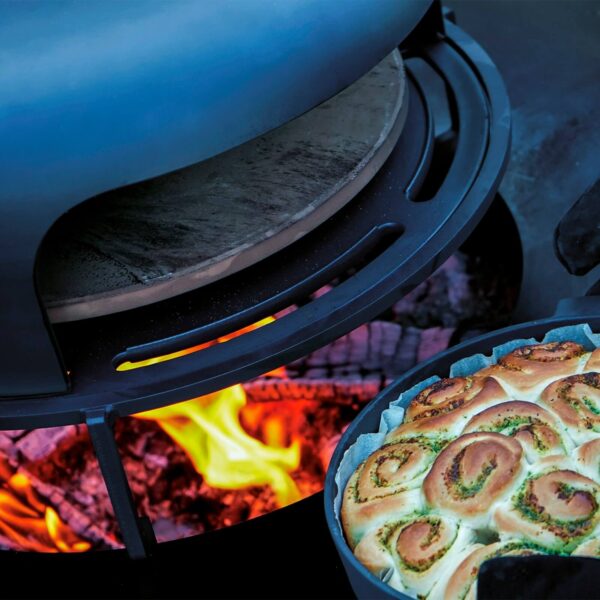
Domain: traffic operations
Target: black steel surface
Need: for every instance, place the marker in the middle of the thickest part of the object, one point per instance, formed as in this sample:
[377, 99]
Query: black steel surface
[547, 577]
[137, 533]
[432, 229]
[285, 554]
[96, 95]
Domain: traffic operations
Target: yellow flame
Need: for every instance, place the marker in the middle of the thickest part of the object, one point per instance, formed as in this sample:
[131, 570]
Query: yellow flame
[209, 431]
[26, 520]
[128, 365]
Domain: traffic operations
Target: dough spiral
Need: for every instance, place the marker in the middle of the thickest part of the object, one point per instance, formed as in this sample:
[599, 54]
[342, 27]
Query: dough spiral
[442, 409]
[387, 483]
[556, 508]
[538, 431]
[462, 584]
[471, 474]
[528, 368]
[411, 554]
[576, 401]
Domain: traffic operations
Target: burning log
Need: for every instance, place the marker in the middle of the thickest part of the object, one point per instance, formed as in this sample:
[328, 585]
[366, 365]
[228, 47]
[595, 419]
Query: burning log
[40, 443]
[379, 349]
[309, 410]
[34, 516]
[446, 298]
[342, 391]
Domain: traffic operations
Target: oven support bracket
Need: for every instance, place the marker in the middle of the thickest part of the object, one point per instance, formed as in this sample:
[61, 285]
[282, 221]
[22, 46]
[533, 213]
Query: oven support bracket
[137, 532]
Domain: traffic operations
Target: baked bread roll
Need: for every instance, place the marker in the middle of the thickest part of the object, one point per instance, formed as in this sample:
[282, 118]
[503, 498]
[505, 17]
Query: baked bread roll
[528, 369]
[472, 474]
[463, 582]
[576, 401]
[411, 555]
[539, 432]
[555, 507]
[442, 409]
[387, 483]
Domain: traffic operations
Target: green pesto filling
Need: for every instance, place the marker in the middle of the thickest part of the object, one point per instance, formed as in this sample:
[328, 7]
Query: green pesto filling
[402, 458]
[510, 547]
[435, 445]
[526, 503]
[426, 563]
[510, 426]
[463, 490]
[431, 446]
[591, 405]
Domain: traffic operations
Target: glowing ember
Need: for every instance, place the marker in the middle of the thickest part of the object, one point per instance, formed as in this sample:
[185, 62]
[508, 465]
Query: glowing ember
[128, 366]
[209, 431]
[29, 523]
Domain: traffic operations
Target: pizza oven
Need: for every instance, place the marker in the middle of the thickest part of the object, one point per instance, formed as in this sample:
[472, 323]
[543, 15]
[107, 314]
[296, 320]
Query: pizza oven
[224, 232]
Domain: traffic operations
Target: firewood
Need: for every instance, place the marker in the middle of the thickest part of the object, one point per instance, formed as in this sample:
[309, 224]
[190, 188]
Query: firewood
[40, 443]
[337, 391]
[379, 348]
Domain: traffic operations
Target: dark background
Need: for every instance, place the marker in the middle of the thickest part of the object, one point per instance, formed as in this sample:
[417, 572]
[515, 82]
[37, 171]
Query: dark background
[548, 52]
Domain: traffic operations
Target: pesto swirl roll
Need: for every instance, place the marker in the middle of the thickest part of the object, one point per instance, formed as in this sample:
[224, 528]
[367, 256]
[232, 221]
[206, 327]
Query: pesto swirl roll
[538, 431]
[411, 554]
[528, 369]
[576, 402]
[386, 485]
[442, 409]
[471, 474]
[462, 582]
[555, 507]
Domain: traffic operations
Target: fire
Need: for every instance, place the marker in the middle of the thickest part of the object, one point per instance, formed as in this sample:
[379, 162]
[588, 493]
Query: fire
[128, 365]
[28, 522]
[208, 429]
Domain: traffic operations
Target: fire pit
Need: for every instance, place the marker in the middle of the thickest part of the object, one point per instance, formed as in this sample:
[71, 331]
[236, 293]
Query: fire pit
[135, 408]
[249, 449]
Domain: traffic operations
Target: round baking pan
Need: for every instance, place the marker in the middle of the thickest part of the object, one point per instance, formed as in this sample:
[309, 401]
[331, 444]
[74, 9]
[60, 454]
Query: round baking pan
[569, 312]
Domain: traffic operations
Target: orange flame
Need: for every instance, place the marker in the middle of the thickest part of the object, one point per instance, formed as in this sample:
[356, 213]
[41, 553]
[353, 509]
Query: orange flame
[209, 431]
[128, 365]
[26, 520]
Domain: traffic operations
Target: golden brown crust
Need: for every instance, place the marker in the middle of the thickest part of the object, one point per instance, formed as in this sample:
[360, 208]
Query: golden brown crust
[587, 459]
[535, 365]
[424, 541]
[590, 547]
[462, 584]
[576, 401]
[472, 473]
[593, 362]
[413, 553]
[537, 430]
[443, 396]
[444, 408]
[381, 486]
[555, 509]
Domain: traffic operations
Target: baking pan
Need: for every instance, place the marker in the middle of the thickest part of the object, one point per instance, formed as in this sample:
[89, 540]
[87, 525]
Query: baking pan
[571, 311]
